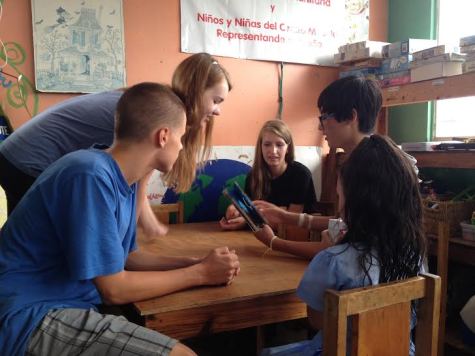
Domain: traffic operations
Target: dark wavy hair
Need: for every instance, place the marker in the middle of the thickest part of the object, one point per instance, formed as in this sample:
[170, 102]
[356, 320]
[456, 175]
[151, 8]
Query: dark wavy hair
[383, 209]
[344, 95]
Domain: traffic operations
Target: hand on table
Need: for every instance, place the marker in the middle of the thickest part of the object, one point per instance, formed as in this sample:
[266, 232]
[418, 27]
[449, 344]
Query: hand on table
[220, 266]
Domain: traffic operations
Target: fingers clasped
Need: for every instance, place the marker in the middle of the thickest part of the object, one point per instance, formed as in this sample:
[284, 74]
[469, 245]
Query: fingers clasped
[221, 266]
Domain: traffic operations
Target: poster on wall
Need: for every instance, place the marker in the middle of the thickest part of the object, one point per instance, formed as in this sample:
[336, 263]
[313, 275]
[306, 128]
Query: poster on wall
[78, 45]
[297, 31]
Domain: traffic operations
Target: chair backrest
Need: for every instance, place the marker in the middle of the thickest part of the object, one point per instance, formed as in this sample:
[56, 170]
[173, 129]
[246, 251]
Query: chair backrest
[380, 318]
[163, 212]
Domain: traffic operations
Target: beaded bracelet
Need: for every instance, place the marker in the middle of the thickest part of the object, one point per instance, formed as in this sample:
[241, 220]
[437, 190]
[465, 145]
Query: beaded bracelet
[270, 245]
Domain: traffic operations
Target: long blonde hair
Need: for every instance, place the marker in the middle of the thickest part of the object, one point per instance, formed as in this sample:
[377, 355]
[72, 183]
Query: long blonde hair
[260, 175]
[191, 79]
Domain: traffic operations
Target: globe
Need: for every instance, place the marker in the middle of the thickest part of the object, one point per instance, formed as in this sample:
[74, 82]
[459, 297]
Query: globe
[205, 200]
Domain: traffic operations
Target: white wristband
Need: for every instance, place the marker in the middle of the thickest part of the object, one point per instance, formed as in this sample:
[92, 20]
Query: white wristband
[301, 220]
[309, 222]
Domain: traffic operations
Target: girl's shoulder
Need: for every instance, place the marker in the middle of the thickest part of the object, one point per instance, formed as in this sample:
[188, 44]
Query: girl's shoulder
[334, 257]
[341, 251]
[296, 165]
[344, 260]
[297, 171]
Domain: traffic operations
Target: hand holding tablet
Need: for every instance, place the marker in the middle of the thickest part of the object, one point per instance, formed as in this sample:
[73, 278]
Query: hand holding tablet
[246, 208]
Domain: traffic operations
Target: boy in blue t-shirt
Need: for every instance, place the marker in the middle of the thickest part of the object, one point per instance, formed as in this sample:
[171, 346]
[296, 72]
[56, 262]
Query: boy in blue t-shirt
[70, 243]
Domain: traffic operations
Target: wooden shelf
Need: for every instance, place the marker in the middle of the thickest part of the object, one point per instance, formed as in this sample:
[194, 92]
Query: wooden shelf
[435, 89]
[462, 251]
[445, 159]
[454, 249]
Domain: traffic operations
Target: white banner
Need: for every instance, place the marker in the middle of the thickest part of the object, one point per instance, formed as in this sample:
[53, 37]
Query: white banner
[299, 31]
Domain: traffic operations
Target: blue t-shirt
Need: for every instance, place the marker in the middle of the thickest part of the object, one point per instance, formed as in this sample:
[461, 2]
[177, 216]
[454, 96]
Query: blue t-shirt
[75, 223]
[71, 125]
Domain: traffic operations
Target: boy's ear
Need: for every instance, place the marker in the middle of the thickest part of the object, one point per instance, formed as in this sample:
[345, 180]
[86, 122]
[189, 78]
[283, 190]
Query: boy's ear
[162, 137]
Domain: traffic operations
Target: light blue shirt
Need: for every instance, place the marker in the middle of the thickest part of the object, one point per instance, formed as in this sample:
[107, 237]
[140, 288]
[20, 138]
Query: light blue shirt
[334, 268]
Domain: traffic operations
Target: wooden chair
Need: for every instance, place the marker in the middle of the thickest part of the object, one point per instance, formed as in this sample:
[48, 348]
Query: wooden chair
[163, 212]
[380, 318]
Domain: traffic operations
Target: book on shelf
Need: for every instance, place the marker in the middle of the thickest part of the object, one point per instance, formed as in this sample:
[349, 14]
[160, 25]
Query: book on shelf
[361, 54]
[358, 46]
[470, 56]
[428, 146]
[366, 63]
[455, 146]
[467, 41]
[408, 46]
[446, 57]
[360, 72]
[398, 74]
[396, 64]
[435, 70]
[468, 66]
[434, 51]
[467, 49]
[390, 82]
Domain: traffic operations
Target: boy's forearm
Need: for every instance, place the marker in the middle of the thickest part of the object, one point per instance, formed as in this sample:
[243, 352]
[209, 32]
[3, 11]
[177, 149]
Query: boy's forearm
[132, 286]
[140, 260]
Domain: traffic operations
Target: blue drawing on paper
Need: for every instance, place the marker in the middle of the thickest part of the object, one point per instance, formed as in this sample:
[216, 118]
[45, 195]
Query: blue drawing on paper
[79, 45]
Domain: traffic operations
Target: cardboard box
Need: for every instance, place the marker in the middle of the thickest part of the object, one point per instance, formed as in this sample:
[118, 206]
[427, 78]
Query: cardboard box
[361, 54]
[358, 46]
[436, 70]
[468, 66]
[408, 46]
[467, 41]
[446, 57]
[434, 51]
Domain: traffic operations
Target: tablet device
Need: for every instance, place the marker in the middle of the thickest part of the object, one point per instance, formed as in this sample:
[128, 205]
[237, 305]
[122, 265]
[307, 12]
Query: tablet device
[245, 207]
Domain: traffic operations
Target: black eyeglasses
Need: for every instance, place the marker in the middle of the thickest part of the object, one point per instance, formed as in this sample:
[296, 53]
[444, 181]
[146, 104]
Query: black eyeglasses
[325, 116]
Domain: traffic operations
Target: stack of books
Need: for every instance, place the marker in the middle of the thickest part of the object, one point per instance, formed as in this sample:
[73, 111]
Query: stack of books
[436, 62]
[368, 68]
[358, 51]
[360, 59]
[395, 68]
[467, 46]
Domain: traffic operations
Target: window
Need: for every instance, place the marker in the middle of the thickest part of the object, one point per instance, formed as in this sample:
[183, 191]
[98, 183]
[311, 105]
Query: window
[455, 117]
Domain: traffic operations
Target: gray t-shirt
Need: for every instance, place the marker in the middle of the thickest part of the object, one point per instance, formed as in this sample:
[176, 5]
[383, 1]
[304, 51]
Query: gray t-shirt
[71, 125]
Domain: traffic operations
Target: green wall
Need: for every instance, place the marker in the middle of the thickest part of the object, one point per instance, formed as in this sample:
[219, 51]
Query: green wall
[411, 19]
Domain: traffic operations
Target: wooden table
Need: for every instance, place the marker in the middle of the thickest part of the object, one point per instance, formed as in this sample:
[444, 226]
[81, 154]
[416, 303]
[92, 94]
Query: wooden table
[263, 293]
